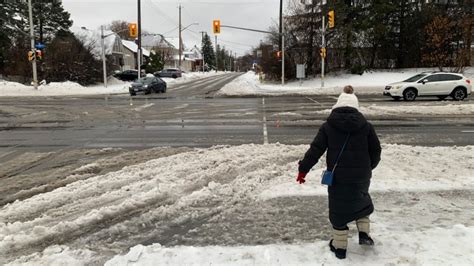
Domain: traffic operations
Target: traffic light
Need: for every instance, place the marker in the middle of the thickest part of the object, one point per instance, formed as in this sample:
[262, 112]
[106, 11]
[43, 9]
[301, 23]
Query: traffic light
[331, 19]
[39, 55]
[216, 26]
[278, 55]
[132, 27]
[31, 56]
[322, 52]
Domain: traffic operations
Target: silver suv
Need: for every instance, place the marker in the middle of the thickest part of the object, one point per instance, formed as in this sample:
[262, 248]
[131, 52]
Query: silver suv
[169, 73]
[438, 84]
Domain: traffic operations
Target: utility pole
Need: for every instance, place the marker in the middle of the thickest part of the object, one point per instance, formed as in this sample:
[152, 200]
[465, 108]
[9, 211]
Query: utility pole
[283, 60]
[280, 44]
[217, 55]
[202, 51]
[180, 40]
[33, 49]
[102, 44]
[323, 42]
[139, 52]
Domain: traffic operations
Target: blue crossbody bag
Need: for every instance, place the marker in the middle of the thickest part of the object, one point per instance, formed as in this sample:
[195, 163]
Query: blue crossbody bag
[328, 176]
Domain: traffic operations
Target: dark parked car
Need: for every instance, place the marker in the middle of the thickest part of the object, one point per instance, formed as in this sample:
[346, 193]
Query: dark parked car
[169, 73]
[147, 85]
[127, 75]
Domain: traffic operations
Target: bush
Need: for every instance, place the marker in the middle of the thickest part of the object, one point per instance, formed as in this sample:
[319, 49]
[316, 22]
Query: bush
[358, 69]
[67, 59]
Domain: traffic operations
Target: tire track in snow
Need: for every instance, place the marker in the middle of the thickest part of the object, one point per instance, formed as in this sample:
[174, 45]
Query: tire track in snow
[83, 215]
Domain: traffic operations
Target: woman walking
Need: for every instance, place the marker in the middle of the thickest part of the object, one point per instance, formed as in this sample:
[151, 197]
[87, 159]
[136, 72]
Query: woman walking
[353, 150]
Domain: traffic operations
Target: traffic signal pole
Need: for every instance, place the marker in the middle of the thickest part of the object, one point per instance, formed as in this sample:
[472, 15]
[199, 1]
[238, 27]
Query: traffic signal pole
[263, 31]
[104, 65]
[139, 51]
[33, 49]
[216, 54]
[323, 45]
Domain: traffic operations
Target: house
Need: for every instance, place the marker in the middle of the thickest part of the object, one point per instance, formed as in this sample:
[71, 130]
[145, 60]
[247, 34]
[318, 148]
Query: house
[113, 48]
[130, 55]
[168, 48]
[194, 54]
[157, 43]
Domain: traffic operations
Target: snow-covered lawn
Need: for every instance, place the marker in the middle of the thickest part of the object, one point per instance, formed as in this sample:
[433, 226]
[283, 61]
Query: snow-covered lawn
[369, 83]
[114, 86]
[420, 219]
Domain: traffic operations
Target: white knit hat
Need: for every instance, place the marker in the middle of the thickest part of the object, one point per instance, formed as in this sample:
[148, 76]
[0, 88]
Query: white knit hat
[347, 100]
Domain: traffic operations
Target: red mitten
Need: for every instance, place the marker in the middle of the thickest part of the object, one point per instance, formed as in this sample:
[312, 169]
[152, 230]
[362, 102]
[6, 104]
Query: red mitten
[300, 178]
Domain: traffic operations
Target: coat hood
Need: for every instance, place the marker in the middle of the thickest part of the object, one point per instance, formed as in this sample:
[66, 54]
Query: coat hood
[346, 119]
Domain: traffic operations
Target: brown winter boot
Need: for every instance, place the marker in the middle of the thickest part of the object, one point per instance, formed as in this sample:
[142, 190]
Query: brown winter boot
[363, 225]
[338, 243]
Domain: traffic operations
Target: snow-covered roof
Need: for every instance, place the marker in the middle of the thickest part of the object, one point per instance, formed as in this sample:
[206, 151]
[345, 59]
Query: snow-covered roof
[92, 38]
[174, 41]
[132, 46]
[183, 58]
[155, 40]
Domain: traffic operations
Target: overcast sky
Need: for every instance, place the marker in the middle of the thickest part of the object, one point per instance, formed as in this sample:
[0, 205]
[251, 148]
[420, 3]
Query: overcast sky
[161, 16]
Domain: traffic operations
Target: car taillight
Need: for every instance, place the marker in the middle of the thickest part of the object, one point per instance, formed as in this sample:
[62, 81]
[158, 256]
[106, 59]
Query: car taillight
[468, 81]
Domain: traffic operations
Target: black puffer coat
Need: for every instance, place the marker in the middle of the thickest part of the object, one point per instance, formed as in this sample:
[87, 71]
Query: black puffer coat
[349, 197]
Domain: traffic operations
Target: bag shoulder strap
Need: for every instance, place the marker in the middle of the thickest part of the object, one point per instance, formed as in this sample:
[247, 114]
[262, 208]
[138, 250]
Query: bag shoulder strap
[340, 153]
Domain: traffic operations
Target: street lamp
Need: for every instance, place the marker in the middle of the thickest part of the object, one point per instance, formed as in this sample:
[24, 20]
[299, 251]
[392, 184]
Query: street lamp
[102, 44]
[181, 41]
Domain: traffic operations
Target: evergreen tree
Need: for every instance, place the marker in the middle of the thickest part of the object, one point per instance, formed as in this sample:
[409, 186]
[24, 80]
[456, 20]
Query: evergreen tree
[50, 18]
[156, 63]
[69, 60]
[208, 51]
[11, 25]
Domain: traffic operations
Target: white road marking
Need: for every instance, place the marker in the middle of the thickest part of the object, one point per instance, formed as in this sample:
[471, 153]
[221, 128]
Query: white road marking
[467, 131]
[265, 132]
[144, 107]
[314, 101]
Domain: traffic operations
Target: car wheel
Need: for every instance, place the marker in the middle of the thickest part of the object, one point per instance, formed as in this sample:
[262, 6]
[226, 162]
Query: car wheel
[396, 98]
[409, 95]
[458, 94]
[132, 94]
[148, 91]
[442, 97]
[174, 76]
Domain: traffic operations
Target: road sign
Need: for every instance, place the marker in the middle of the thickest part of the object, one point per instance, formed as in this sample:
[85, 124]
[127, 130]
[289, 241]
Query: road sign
[40, 46]
[300, 71]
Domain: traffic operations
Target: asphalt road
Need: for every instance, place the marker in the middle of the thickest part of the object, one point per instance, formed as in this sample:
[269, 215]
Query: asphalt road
[46, 142]
[190, 115]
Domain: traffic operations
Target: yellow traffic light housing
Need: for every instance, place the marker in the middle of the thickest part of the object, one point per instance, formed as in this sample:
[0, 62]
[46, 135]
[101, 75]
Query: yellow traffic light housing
[132, 27]
[31, 56]
[331, 19]
[216, 26]
[278, 55]
[322, 52]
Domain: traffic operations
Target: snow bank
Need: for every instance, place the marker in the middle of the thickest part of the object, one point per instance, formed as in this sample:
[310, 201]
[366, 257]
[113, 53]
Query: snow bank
[430, 247]
[432, 109]
[369, 83]
[115, 86]
[61, 88]
[232, 174]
